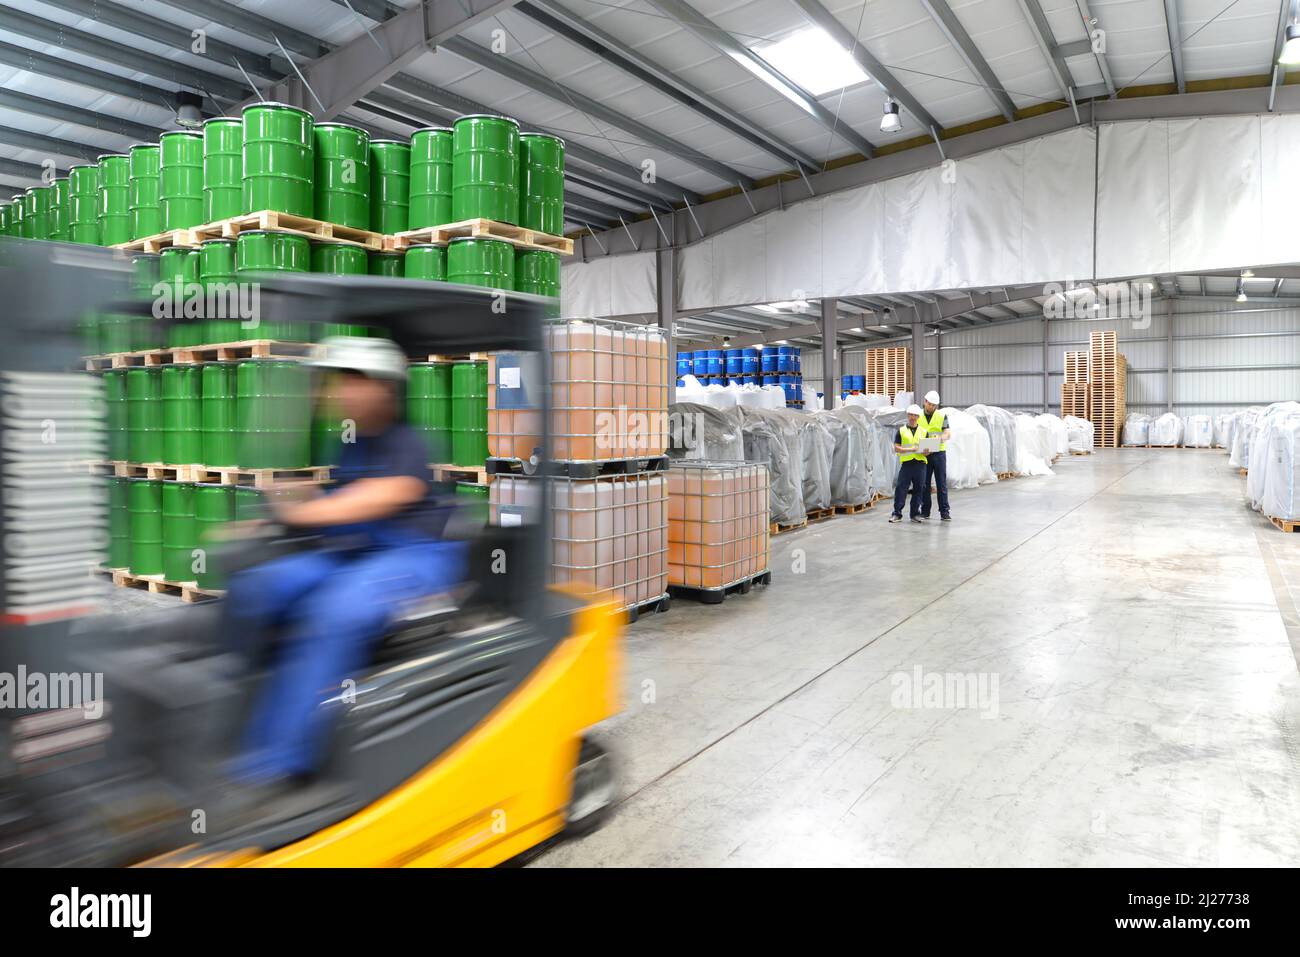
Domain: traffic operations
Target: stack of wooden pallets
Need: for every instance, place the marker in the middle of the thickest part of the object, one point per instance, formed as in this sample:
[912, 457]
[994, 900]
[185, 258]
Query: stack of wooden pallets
[889, 371]
[1074, 390]
[1107, 372]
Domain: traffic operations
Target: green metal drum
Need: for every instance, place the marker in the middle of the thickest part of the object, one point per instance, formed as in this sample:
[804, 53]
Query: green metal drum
[180, 182]
[428, 407]
[469, 387]
[476, 500]
[343, 174]
[537, 271]
[6, 219]
[278, 159]
[144, 415]
[273, 412]
[116, 332]
[214, 507]
[180, 535]
[182, 409]
[114, 199]
[262, 251]
[59, 210]
[388, 264]
[217, 412]
[337, 259]
[36, 210]
[481, 262]
[541, 183]
[178, 267]
[223, 168]
[485, 169]
[390, 186]
[119, 523]
[115, 415]
[144, 504]
[83, 204]
[217, 276]
[326, 438]
[144, 206]
[144, 273]
[16, 225]
[430, 177]
[426, 262]
[88, 328]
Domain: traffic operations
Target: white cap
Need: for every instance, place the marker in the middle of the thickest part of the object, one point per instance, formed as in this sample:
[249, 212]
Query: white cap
[376, 358]
[932, 397]
[913, 410]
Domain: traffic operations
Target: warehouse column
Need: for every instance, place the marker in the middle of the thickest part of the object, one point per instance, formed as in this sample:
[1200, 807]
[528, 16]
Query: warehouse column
[1169, 354]
[918, 356]
[1047, 394]
[830, 352]
[665, 296]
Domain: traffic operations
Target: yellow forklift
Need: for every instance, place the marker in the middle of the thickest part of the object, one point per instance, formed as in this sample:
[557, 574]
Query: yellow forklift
[465, 743]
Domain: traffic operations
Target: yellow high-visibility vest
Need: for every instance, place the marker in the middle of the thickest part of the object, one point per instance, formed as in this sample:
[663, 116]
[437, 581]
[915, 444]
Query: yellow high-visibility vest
[934, 426]
[910, 439]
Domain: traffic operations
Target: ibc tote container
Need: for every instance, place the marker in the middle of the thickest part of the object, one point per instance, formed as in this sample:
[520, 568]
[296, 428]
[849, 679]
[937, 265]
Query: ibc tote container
[608, 534]
[718, 515]
[609, 395]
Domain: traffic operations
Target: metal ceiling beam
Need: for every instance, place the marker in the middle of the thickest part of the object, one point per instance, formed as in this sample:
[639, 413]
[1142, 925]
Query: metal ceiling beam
[724, 42]
[52, 145]
[605, 211]
[59, 69]
[1173, 28]
[252, 25]
[456, 104]
[10, 189]
[819, 15]
[1052, 53]
[1102, 64]
[25, 170]
[135, 60]
[961, 41]
[351, 70]
[66, 113]
[582, 32]
[532, 80]
[1286, 16]
[181, 38]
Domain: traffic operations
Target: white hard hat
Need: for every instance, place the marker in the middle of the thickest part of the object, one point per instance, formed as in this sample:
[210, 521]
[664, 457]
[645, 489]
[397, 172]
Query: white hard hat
[376, 358]
[932, 397]
[913, 410]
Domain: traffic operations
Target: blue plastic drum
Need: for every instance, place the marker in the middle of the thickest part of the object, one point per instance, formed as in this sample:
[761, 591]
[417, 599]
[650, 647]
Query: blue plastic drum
[769, 359]
[717, 362]
[734, 361]
[684, 364]
[749, 361]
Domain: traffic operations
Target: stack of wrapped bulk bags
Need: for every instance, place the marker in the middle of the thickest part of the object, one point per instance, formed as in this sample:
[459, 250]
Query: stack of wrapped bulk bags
[1035, 446]
[850, 475]
[1137, 430]
[1001, 428]
[1060, 435]
[770, 437]
[969, 455]
[1279, 497]
[703, 433]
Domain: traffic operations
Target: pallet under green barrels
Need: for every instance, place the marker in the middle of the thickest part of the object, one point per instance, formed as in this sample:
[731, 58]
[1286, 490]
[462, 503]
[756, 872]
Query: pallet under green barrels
[342, 187]
[485, 169]
[279, 160]
[144, 415]
[179, 534]
[143, 204]
[223, 168]
[273, 414]
[469, 413]
[144, 502]
[428, 407]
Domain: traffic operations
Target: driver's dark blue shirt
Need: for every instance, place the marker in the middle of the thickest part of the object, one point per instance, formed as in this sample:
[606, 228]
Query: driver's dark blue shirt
[397, 451]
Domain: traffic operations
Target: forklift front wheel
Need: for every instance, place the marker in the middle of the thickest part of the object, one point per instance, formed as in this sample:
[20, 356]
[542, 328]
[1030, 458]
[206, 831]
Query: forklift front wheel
[594, 786]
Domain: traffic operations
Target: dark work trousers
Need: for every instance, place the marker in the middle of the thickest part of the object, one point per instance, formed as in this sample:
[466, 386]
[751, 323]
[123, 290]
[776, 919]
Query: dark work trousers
[936, 472]
[910, 475]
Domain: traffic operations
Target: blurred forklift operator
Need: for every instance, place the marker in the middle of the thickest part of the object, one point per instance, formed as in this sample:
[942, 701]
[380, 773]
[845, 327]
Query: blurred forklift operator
[381, 529]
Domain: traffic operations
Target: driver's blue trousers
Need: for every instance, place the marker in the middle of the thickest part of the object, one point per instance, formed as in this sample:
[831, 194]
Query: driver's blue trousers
[333, 606]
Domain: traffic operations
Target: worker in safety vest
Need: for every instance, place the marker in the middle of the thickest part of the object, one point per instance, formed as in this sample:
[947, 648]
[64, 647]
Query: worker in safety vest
[911, 465]
[934, 423]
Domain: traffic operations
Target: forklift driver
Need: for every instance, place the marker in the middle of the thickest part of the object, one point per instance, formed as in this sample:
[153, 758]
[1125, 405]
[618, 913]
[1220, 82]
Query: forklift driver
[381, 532]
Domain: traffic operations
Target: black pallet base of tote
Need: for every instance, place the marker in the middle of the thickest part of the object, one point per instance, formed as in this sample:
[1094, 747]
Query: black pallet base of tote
[715, 596]
[579, 470]
[654, 606]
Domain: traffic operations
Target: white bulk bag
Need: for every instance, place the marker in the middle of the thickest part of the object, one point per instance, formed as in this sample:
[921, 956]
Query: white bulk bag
[1033, 446]
[1198, 432]
[1137, 430]
[1166, 430]
[968, 451]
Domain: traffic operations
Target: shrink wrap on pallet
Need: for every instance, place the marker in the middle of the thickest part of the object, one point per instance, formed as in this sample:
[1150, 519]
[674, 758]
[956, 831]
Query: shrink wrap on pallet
[1137, 430]
[1223, 429]
[818, 450]
[774, 441]
[1060, 434]
[1242, 433]
[968, 454]
[1001, 428]
[850, 472]
[1035, 446]
[1278, 453]
[1268, 425]
[704, 432]
[1081, 433]
[884, 461]
[1166, 430]
[1198, 432]
[903, 399]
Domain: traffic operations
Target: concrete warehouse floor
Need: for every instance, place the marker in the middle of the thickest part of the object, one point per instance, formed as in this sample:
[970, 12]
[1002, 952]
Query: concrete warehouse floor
[1141, 625]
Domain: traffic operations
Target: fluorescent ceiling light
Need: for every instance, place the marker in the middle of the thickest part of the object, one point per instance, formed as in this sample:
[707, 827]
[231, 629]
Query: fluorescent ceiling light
[809, 58]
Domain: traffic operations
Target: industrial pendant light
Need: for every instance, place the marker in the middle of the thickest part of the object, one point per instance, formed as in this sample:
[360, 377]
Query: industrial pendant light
[890, 122]
[1290, 55]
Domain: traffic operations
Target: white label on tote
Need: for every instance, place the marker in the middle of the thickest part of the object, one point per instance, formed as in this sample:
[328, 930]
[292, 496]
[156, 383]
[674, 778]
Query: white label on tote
[508, 378]
[508, 520]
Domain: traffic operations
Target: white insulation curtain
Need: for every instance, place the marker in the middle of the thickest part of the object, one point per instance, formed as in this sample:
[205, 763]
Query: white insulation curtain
[1169, 196]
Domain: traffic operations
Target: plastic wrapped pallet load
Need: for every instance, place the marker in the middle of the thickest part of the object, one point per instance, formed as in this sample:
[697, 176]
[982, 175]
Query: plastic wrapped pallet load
[718, 514]
[1035, 446]
[818, 450]
[869, 401]
[1243, 431]
[1001, 428]
[1137, 430]
[1081, 433]
[1262, 453]
[866, 423]
[850, 474]
[1166, 431]
[884, 461]
[1060, 434]
[1223, 428]
[1198, 432]
[771, 439]
[701, 432]
[1279, 497]
[969, 458]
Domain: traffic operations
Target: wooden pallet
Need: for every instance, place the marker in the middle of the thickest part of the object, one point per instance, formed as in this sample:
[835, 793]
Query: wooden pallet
[472, 357]
[1241, 472]
[256, 478]
[149, 358]
[316, 230]
[820, 514]
[888, 370]
[157, 585]
[1284, 524]
[853, 509]
[159, 241]
[480, 229]
[1080, 451]
[461, 473]
[776, 528]
[240, 351]
[1003, 476]
[154, 471]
